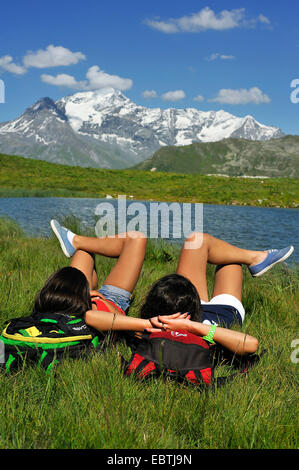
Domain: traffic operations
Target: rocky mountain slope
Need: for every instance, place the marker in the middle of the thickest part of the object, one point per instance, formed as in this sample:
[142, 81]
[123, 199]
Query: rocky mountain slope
[232, 157]
[105, 129]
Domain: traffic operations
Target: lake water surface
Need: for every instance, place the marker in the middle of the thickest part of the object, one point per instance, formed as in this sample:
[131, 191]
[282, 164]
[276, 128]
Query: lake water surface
[248, 227]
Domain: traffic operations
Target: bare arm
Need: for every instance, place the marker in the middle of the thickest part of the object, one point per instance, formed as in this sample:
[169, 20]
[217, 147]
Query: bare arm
[235, 341]
[105, 321]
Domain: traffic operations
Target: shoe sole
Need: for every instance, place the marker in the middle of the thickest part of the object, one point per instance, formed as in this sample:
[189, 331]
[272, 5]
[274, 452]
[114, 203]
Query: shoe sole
[263, 271]
[60, 239]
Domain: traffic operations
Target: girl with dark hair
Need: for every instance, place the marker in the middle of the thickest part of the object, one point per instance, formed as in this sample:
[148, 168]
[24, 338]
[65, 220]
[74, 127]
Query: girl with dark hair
[74, 289]
[170, 294]
[215, 316]
[66, 291]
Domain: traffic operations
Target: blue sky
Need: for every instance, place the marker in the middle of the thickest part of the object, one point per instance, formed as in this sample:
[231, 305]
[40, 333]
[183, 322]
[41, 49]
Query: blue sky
[240, 56]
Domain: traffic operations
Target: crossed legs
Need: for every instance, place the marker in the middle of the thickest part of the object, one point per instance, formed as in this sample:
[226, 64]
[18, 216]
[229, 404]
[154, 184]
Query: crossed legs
[129, 248]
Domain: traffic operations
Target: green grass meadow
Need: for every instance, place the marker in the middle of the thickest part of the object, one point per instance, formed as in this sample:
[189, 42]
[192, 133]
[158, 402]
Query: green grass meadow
[88, 404]
[26, 177]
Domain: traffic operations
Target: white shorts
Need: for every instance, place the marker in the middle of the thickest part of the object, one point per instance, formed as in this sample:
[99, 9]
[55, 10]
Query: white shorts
[224, 300]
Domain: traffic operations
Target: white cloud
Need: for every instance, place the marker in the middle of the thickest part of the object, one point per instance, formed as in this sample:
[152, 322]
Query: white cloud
[56, 56]
[263, 19]
[217, 55]
[241, 96]
[207, 19]
[203, 20]
[149, 94]
[162, 26]
[63, 80]
[227, 57]
[96, 79]
[52, 56]
[7, 65]
[174, 95]
[213, 56]
[198, 98]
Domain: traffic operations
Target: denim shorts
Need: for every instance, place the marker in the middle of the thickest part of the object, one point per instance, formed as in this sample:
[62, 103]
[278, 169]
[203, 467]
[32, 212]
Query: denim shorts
[121, 297]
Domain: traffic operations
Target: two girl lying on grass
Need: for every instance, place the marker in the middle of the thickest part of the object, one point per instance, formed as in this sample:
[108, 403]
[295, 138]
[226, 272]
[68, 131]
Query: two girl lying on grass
[177, 301]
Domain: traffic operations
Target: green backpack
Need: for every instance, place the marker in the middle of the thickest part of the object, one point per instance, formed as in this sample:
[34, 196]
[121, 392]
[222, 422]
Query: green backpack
[46, 339]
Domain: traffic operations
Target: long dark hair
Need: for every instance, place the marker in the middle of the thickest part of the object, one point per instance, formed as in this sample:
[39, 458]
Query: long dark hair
[66, 291]
[171, 294]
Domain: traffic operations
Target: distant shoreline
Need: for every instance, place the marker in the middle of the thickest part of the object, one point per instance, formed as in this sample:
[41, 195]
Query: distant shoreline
[34, 193]
[25, 177]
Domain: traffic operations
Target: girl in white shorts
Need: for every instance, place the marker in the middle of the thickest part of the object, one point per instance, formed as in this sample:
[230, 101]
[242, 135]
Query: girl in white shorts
[174, 293]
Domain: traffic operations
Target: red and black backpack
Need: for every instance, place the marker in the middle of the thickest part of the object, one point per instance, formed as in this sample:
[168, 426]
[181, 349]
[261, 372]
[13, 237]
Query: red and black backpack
[182, 356]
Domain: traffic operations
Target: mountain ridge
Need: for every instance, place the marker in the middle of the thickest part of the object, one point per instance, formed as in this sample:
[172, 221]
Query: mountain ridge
[106, 129]
[230, 157]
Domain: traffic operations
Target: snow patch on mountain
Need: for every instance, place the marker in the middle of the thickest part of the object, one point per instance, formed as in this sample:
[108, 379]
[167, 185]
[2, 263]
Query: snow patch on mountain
[107, 113]
[107, 128]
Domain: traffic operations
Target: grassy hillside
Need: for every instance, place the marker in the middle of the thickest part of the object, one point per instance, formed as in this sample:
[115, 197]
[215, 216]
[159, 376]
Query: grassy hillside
[21, 177]
[88, 404]
[233, 157]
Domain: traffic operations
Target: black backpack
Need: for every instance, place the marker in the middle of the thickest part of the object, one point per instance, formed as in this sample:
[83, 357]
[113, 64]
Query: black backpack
[182, 356]
[46, 339]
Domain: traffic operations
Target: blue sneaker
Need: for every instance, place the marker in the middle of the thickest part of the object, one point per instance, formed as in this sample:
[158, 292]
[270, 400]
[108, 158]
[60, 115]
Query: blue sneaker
[273, 257]
[61, 233]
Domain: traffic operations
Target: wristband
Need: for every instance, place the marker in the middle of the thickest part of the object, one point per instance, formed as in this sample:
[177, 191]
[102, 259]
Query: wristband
[210, 335]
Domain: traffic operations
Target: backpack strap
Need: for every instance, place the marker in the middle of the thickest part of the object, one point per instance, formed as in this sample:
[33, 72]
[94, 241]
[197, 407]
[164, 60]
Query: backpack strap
[140, 366]
[243, 364]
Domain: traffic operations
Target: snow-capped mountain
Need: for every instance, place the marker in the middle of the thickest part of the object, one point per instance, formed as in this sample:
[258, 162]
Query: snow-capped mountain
[44, 132]
[105, 129]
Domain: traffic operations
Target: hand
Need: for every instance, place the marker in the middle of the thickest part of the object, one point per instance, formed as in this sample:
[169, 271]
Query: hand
[159, 322]
[181, 322]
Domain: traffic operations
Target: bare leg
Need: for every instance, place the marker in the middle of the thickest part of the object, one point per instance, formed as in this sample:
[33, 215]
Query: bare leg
[193, 264]
[228, 280]
[208, 249]
[85, 262]
[94, 284]
[129, 248]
